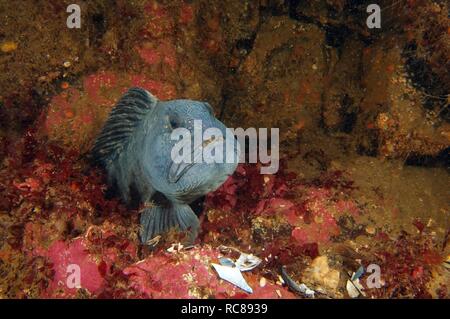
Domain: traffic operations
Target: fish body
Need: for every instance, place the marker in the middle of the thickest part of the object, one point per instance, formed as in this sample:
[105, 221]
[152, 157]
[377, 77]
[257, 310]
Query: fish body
[135, 148]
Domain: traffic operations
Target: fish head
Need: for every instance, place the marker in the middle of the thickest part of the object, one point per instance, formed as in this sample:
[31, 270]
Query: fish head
[190, 151]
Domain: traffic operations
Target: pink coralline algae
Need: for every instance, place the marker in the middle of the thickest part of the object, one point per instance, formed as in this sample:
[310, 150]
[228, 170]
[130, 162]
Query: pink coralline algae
[163, 91]
[187, 14]
[75, 115]
[318, 220]
[162, 51]
[188, 274]
[94, 84]
[159, 23]
[311, 211]
[62, 255]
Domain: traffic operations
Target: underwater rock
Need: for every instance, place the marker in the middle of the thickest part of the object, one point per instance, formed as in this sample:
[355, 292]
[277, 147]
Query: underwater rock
[172, 34]
[74, 117]
[62, 255]
[425, 26]
[164, 277]
[31, 74]
[319, 221]
[320, 275]
[266, 228]
[342, 93]
[394, 108]
[278, 76]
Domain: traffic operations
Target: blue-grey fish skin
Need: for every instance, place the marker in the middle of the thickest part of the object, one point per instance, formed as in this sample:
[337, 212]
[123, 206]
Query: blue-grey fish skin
[135, 148]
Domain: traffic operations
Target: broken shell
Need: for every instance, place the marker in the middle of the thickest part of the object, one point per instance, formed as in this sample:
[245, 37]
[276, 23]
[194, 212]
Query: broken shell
[247, 262]
[262, 282]
[351, 289]
[232, 275]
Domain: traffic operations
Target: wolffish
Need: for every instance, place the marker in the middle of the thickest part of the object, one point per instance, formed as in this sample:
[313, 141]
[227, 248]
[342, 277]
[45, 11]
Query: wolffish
[135, 147]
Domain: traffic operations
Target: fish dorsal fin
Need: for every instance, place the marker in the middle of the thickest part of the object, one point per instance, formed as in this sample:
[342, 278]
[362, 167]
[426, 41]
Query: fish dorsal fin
[121, 124]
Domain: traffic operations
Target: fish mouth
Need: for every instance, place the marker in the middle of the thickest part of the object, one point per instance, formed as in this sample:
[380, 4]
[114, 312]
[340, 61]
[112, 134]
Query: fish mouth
[178, 170]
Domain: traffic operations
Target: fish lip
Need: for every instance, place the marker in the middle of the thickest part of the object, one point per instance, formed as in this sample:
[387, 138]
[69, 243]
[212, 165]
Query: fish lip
[178, 170]
[175, 176]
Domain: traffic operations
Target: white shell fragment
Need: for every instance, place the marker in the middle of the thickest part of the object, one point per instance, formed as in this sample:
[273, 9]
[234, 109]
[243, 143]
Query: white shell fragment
[232, 275]
[309, 293]
[247, 262]
[226, 262]
[354, 287]
[175, 248]
[351, 289]
[301, 289]
[262, 282]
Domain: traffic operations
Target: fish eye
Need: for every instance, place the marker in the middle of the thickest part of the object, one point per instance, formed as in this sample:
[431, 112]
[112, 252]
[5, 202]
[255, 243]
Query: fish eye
[174, 123]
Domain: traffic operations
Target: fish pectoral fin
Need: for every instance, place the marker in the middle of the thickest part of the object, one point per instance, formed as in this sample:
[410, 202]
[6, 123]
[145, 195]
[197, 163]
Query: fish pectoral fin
[160, 219]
